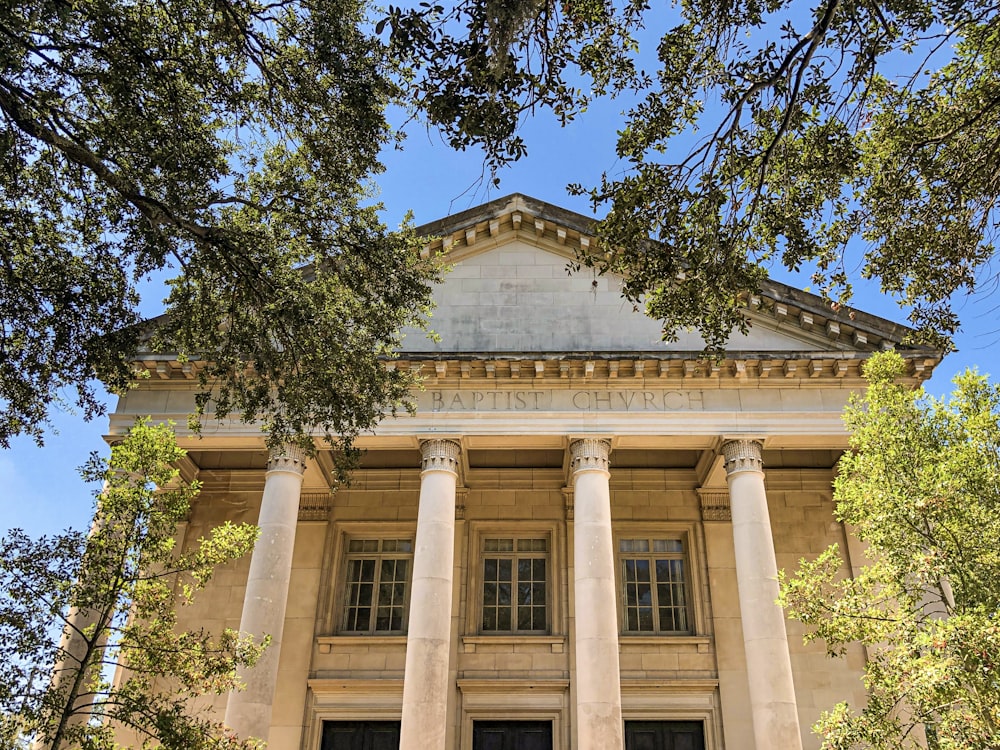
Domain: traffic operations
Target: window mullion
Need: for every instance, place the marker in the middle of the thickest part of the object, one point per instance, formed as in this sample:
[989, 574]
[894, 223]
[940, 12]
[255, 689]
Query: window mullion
[373, 612]
[654, 598]
[515, 592]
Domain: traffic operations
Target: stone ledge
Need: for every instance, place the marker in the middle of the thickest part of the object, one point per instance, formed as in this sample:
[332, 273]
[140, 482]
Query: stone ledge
[351, 686]
[665, 639]
[557, 643]
[326, 643]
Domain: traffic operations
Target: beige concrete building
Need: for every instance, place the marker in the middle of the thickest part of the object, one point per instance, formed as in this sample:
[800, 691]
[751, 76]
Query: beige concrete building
[572, 544]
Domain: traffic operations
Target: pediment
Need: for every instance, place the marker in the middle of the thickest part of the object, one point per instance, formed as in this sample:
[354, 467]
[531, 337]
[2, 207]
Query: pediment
[510, 306]
[510, 290]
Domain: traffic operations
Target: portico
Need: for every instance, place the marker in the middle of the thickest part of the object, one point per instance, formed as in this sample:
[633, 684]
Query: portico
[573, 542]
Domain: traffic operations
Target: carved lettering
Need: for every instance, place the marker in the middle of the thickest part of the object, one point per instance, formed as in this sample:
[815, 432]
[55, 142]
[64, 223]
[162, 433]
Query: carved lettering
[560, 400]
[673, 400]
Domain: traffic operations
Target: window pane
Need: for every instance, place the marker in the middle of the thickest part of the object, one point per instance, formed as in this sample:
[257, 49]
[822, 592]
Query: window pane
[633, 545]
[524, 618]
[523, 593]
[641, 570]
[490, 592]
[503, 618]
[638, 595]
[643, 594]
[376, 586]
[631, 618]
[388, 572]
[402, 568]
[538, 621]
[524, 571]
[354, 570]
[665, 571]
[365, 593]
[361, 618]
[667, 545]
[367, 570]
[514, 587]
[532, 545]
[646, 618]
[538, 594]
[384, 594]
[362, 545]
[671, 593]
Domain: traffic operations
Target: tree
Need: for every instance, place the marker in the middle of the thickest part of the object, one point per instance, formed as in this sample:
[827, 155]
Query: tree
[232, 145]
[113, 593]
[858, 137]
[921, 489]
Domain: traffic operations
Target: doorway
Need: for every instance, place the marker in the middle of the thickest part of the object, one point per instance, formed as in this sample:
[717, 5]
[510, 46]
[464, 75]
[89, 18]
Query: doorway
[360, 735]
[512, 735]
[664, 735]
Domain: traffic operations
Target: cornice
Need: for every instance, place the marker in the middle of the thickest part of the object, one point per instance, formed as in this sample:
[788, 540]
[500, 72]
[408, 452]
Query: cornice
[653, 369]
[621, 369]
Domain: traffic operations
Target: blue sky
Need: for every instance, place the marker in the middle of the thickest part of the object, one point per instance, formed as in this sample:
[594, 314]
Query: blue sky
[40, 490]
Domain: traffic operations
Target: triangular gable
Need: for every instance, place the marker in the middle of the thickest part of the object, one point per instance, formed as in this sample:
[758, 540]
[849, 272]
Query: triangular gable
[519, 298]
[509, 291]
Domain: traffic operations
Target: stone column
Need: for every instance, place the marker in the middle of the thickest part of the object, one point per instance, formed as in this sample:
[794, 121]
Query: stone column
[769, 668]
[428, 635]
[598, 683]
[248, 712]
[74, 650]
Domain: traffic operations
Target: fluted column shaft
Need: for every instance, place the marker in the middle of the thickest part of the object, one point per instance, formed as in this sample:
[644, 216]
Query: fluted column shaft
[248, 712]
[769, 668]
[598, 684]
[428, 635]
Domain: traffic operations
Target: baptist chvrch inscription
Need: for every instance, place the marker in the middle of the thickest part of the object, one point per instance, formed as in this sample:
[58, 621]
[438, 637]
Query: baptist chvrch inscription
[559, 400]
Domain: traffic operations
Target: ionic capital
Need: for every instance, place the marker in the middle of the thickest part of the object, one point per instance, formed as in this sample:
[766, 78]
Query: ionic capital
[440, 455]
[742, 455]
[288, 458]
[589, 454]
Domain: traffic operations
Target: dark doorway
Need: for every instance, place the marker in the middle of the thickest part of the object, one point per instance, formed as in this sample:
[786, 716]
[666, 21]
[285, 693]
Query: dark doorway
[512, 735]
[664, 735]
[360, 735]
